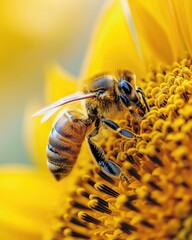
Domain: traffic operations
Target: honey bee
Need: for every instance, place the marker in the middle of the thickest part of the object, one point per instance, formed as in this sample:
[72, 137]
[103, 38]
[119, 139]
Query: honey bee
[104, 96]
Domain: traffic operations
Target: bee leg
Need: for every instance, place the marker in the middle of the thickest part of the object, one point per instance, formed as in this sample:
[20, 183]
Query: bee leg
[140, 92]
[125, 100]
[110, 168]
[114, 126]
[128, 104]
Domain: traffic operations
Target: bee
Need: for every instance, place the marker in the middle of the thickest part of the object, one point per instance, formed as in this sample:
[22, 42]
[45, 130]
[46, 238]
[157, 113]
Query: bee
[103, 96]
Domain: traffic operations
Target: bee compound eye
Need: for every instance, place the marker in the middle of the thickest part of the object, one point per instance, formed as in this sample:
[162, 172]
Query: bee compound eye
[125, 87]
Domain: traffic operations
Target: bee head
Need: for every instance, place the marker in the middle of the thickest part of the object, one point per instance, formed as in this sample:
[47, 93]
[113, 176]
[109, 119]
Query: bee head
[126, 86]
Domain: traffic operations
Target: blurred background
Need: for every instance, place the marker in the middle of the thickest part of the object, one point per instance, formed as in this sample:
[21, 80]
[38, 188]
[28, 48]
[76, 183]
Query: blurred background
[33, 34]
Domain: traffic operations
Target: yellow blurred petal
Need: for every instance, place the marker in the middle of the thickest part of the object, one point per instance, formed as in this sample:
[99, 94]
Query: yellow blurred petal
[58, 85]
[36, 135]
[112, 46]
[27, 199]
[158, 31]
[33, 32]
[183, 13]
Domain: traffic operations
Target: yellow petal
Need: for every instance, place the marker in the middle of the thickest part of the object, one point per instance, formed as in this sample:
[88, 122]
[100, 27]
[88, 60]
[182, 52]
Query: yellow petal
[58, 84]
[36, 135]
[27, 199]
[183, 13]
[159, 36]
[112, 46]
[158, 31]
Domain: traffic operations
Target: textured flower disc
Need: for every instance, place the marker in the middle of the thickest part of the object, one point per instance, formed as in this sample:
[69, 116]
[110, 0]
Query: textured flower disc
[156, 203]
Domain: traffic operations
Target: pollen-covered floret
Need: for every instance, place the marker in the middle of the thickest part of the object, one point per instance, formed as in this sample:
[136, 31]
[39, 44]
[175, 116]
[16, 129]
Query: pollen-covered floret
[157, 201]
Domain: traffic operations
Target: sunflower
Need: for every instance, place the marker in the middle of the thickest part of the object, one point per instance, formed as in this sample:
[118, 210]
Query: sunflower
[153, 40]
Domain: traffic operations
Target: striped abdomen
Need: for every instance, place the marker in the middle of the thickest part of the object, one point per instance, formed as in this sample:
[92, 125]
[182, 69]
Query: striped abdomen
[65, 142]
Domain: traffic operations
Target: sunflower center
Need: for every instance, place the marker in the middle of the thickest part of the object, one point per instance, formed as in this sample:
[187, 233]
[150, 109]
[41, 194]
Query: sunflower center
[157, 201]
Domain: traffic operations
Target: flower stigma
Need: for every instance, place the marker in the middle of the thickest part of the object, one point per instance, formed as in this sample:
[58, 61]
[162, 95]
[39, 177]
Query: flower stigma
[156, 203]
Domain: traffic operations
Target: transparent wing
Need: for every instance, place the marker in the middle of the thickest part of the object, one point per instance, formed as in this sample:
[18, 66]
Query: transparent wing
[48, 114]
[52, 108]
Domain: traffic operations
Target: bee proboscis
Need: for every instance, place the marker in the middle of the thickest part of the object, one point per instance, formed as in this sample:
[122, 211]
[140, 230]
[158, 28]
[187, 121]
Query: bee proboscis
[104, 95]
